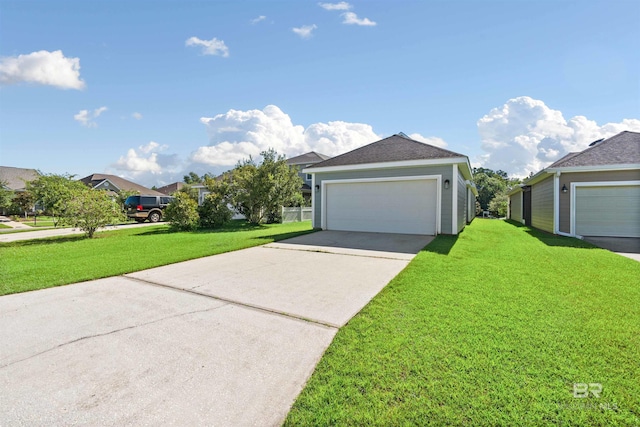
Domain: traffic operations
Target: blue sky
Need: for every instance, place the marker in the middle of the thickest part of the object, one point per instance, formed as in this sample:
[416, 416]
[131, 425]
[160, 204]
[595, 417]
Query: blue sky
[129, 87]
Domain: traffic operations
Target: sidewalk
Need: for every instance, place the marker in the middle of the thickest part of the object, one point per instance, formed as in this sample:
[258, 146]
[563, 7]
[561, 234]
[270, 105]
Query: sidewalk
[51, 232]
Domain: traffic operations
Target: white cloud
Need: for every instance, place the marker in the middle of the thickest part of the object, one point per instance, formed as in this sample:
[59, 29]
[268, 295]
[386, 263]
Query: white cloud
[236, 135]
[431, 140]
[305, 31]
[148, 165]
[524, 135]
[351, 18]
[343, 5]
[87, 118]
[209, 47]
[258, 19]
[42, 67]
[136, 115]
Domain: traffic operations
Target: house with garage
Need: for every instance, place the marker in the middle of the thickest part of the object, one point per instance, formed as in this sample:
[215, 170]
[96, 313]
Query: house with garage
[395, 185]
[592, 193]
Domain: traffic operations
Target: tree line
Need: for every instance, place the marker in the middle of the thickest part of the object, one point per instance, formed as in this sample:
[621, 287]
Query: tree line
[493, 187]
[256, 190]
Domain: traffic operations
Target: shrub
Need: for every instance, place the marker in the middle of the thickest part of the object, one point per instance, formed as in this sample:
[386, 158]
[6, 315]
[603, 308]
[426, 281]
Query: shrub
[90, 209]
[214, 211]
[182, 213]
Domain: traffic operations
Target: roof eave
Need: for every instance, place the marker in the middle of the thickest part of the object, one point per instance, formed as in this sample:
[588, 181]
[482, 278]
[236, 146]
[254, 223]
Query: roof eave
[393, 165]
[544, 173]
[596, 168]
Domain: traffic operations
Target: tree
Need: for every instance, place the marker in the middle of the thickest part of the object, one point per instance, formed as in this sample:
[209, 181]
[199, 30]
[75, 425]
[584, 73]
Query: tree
[189, 191]
[91, 209]
[499, 204]
[214, 211]
[490, 183]
[182, 212]
[23, 202]
[6, 196]
[260, 191]
[192, 178]
[55, 192]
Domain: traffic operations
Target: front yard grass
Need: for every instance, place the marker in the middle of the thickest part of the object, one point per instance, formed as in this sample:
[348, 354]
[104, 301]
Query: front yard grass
[491, 328]
[43, 263]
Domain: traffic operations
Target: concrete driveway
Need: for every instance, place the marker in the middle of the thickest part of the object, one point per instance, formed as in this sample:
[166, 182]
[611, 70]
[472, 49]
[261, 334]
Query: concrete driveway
[224, 340]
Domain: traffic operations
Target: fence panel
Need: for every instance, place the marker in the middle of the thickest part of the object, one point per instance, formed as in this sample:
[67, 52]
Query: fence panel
[296, 214]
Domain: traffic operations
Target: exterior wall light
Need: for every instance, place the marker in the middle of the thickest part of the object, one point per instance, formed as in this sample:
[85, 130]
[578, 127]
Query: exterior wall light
[446, 184]
[564, 188]
[317, 188]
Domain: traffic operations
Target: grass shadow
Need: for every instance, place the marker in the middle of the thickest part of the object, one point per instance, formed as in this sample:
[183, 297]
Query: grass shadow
[514, 223]
[550, 239]
[441, 245]
[285, 236]
[44, 241]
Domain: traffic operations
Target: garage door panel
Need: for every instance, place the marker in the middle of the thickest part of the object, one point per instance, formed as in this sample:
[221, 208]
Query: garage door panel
[407, 206]
[608, 211]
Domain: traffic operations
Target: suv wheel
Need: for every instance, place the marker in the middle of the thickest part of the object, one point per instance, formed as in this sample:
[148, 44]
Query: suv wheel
[154, 217]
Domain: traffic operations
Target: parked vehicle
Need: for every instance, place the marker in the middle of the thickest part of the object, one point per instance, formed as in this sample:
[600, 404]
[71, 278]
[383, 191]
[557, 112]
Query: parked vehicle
[142, 208]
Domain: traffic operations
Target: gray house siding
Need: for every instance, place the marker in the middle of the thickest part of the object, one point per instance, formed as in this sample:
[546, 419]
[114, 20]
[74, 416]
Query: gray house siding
[567, 178]
[445, 171]
[471, 205]
[462, 202]
[542, 205]
[515, 207]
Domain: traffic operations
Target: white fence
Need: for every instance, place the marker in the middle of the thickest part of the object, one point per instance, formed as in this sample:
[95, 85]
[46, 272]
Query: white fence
[296, 214]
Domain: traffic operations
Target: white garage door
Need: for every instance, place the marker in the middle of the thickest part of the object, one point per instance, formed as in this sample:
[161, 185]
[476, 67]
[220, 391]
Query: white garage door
[406, 206]
[608, 211]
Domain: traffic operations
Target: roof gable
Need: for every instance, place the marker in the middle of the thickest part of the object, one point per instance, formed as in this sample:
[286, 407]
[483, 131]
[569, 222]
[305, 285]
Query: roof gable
[391, 149]
[122, 184]
[623, 148]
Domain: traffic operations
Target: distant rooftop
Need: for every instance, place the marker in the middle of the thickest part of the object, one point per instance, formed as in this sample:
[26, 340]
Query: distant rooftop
[16, 178]
[122, 184]
[308, 158]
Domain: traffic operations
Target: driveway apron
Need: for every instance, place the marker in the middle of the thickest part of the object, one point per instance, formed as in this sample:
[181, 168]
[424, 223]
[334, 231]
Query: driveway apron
[223, 340]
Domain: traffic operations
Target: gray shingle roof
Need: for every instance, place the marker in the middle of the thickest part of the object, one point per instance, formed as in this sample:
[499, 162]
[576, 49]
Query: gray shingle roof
[307, 158]
[392, 149]
[623, 148]
[15, 178]
[121, 183]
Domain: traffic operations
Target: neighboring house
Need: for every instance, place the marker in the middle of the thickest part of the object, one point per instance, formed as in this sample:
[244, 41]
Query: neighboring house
[203, 191]
[15, 179]
[304, 161]
[593, 193]
[115, 184]
[395, 185]
[171, 188]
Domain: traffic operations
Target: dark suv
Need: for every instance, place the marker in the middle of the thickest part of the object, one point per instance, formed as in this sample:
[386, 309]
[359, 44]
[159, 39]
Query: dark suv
[142, 208]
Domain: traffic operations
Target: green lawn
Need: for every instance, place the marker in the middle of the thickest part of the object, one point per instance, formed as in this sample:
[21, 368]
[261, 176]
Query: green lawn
[40, 221]
[43, 263]
[4, 226]
[491, 328]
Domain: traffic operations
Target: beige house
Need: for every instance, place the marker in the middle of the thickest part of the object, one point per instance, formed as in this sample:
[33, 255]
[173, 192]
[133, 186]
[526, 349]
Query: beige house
[593, 193]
